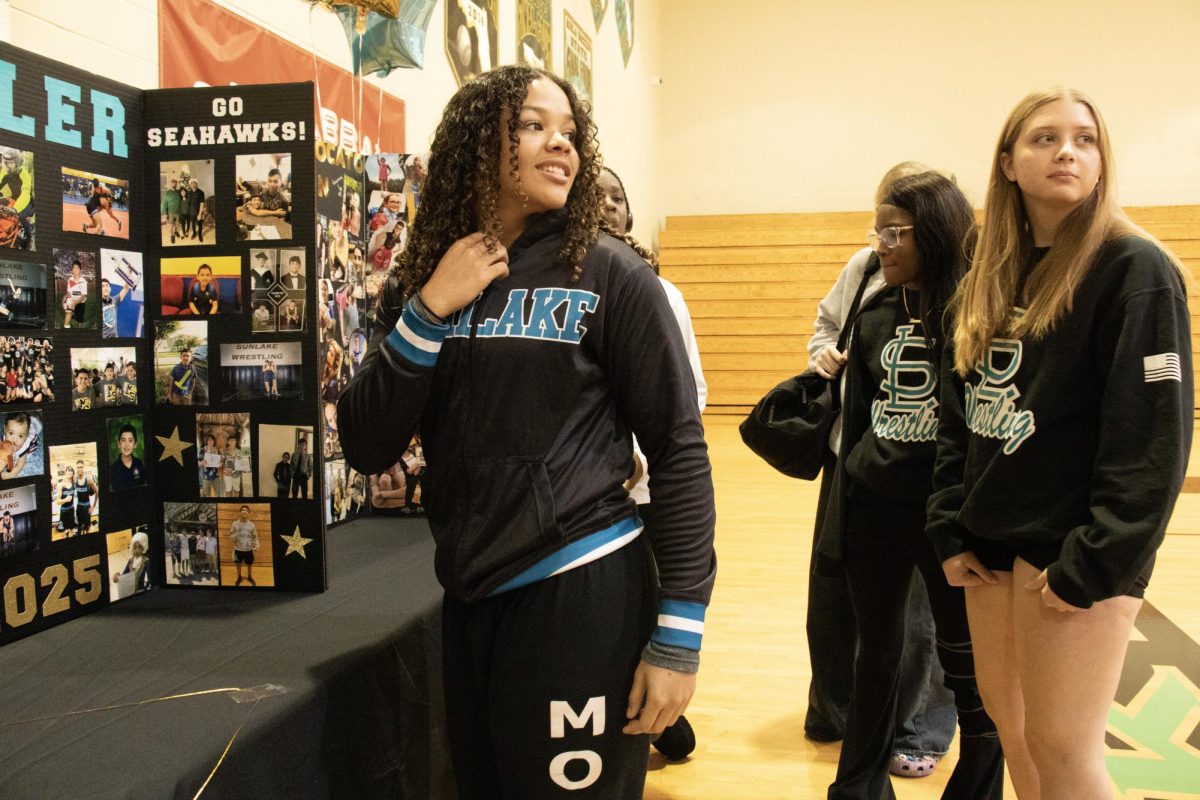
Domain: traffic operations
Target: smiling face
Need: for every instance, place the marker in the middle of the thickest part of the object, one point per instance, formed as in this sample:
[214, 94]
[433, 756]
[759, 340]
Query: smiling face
[547, 160]
[899, 265]
[1055, 159]
[127, 442]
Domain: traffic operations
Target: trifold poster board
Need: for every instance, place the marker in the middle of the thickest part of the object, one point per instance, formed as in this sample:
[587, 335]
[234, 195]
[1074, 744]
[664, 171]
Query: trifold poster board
[158, 342]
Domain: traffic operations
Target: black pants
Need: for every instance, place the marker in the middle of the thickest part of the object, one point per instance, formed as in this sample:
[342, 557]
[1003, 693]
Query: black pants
[884, 540]
[300, 486]
[537, 681]
[925, 717]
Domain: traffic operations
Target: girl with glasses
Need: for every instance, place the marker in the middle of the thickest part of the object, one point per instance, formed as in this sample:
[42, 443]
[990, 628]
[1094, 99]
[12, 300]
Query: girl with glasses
[875, 522]
[1067, 423]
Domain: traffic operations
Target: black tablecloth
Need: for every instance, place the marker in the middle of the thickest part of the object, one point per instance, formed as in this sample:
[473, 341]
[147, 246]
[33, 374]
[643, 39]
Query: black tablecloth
[361, 715]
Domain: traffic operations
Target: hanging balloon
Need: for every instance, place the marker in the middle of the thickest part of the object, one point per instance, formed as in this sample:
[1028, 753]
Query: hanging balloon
[380, 44]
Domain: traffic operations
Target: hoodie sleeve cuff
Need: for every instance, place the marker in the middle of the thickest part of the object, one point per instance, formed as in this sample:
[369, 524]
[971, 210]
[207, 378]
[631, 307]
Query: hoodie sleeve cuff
[680, 624]
[417, 340]
[1066, 589]
[676, 659]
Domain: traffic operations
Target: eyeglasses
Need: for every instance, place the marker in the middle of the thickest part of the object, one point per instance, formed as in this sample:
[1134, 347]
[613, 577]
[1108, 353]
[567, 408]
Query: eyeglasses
[890, 236]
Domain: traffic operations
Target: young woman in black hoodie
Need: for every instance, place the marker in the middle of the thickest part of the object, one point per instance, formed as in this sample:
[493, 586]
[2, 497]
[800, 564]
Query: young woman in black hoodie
[876, 526]
[518, 337]
[1061, 457]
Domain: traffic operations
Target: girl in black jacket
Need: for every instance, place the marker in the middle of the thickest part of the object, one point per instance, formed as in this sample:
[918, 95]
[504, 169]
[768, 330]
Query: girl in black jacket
[877, 525]
[1067, 423]
[527, 346]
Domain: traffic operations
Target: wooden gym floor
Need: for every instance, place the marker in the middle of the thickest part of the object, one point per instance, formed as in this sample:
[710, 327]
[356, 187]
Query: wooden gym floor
[749, 709]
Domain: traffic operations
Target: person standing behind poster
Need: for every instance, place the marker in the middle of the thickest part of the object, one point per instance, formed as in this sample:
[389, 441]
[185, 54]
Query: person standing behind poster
[301, 468]
[182, 380]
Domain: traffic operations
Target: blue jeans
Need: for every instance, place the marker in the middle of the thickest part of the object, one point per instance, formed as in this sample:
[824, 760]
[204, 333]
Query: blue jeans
[925, 714]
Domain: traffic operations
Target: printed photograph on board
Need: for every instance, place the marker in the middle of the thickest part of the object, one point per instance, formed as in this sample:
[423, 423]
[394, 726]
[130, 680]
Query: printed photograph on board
[285, 460]
[26, 369]
[17, 209]
[352, 206]
[22, 450]
[181, 362]
[261, 371]
[74, 280]
[24, 297]
[74, 491]
[102, 377]
[472, 38]
[187, 208]
[347, 492]
[201, 286]
[128, 562]
[18, 521]
[533, 34]
[126, 452]
[223, 455]
[263, 196]
[192, 552]
[398, 487]
[122, 295]
[95, 204]
[577, 57]
[246, 558]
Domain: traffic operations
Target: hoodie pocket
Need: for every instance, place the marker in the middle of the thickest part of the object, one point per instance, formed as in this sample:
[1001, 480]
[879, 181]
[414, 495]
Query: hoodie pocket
[500, 519]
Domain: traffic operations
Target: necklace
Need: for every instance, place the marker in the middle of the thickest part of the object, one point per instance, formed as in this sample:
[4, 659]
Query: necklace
[904, 297]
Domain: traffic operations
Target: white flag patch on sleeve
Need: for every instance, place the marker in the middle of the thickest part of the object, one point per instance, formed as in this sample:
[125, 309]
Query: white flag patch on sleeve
[1162, 367]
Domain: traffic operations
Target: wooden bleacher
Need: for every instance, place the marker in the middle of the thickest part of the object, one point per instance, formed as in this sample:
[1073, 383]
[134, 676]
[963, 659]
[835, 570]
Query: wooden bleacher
[752, 283]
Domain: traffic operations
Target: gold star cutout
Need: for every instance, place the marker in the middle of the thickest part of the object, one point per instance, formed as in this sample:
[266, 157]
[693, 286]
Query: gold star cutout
[173, 446]
[295, 543]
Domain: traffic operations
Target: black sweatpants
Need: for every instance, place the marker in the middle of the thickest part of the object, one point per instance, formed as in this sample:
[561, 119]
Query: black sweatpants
[884, 540]
[537, 680]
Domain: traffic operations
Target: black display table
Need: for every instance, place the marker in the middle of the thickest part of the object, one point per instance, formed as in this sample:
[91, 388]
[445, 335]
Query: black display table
[359, 714]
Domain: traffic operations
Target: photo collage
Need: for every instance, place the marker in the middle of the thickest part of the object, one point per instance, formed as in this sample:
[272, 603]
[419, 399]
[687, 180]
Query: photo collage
[356, 251]
[75, 489]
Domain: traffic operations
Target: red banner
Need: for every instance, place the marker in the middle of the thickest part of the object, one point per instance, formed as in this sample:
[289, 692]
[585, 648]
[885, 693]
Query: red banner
[201, 42]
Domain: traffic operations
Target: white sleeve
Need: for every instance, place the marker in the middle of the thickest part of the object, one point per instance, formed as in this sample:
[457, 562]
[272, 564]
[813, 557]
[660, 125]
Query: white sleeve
[641, 490]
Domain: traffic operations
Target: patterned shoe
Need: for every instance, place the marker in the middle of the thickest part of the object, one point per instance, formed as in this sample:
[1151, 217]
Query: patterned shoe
[906, 766]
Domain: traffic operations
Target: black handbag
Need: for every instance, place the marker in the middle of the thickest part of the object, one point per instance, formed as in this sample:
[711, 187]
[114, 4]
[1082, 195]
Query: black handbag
[789, 427]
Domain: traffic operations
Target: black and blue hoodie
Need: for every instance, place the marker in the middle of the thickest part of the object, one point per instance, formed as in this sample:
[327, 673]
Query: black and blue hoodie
[525, 402]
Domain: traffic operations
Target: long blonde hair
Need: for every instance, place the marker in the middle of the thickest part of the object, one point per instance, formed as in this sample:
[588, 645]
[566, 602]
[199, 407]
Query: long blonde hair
[985, 299]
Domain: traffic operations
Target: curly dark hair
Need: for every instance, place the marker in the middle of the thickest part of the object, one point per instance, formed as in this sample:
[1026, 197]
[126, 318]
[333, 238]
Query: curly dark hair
[462, 191]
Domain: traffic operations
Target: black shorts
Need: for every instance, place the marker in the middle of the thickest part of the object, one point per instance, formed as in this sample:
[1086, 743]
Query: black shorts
[999, 556]
[66, 518]
[243, 557]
